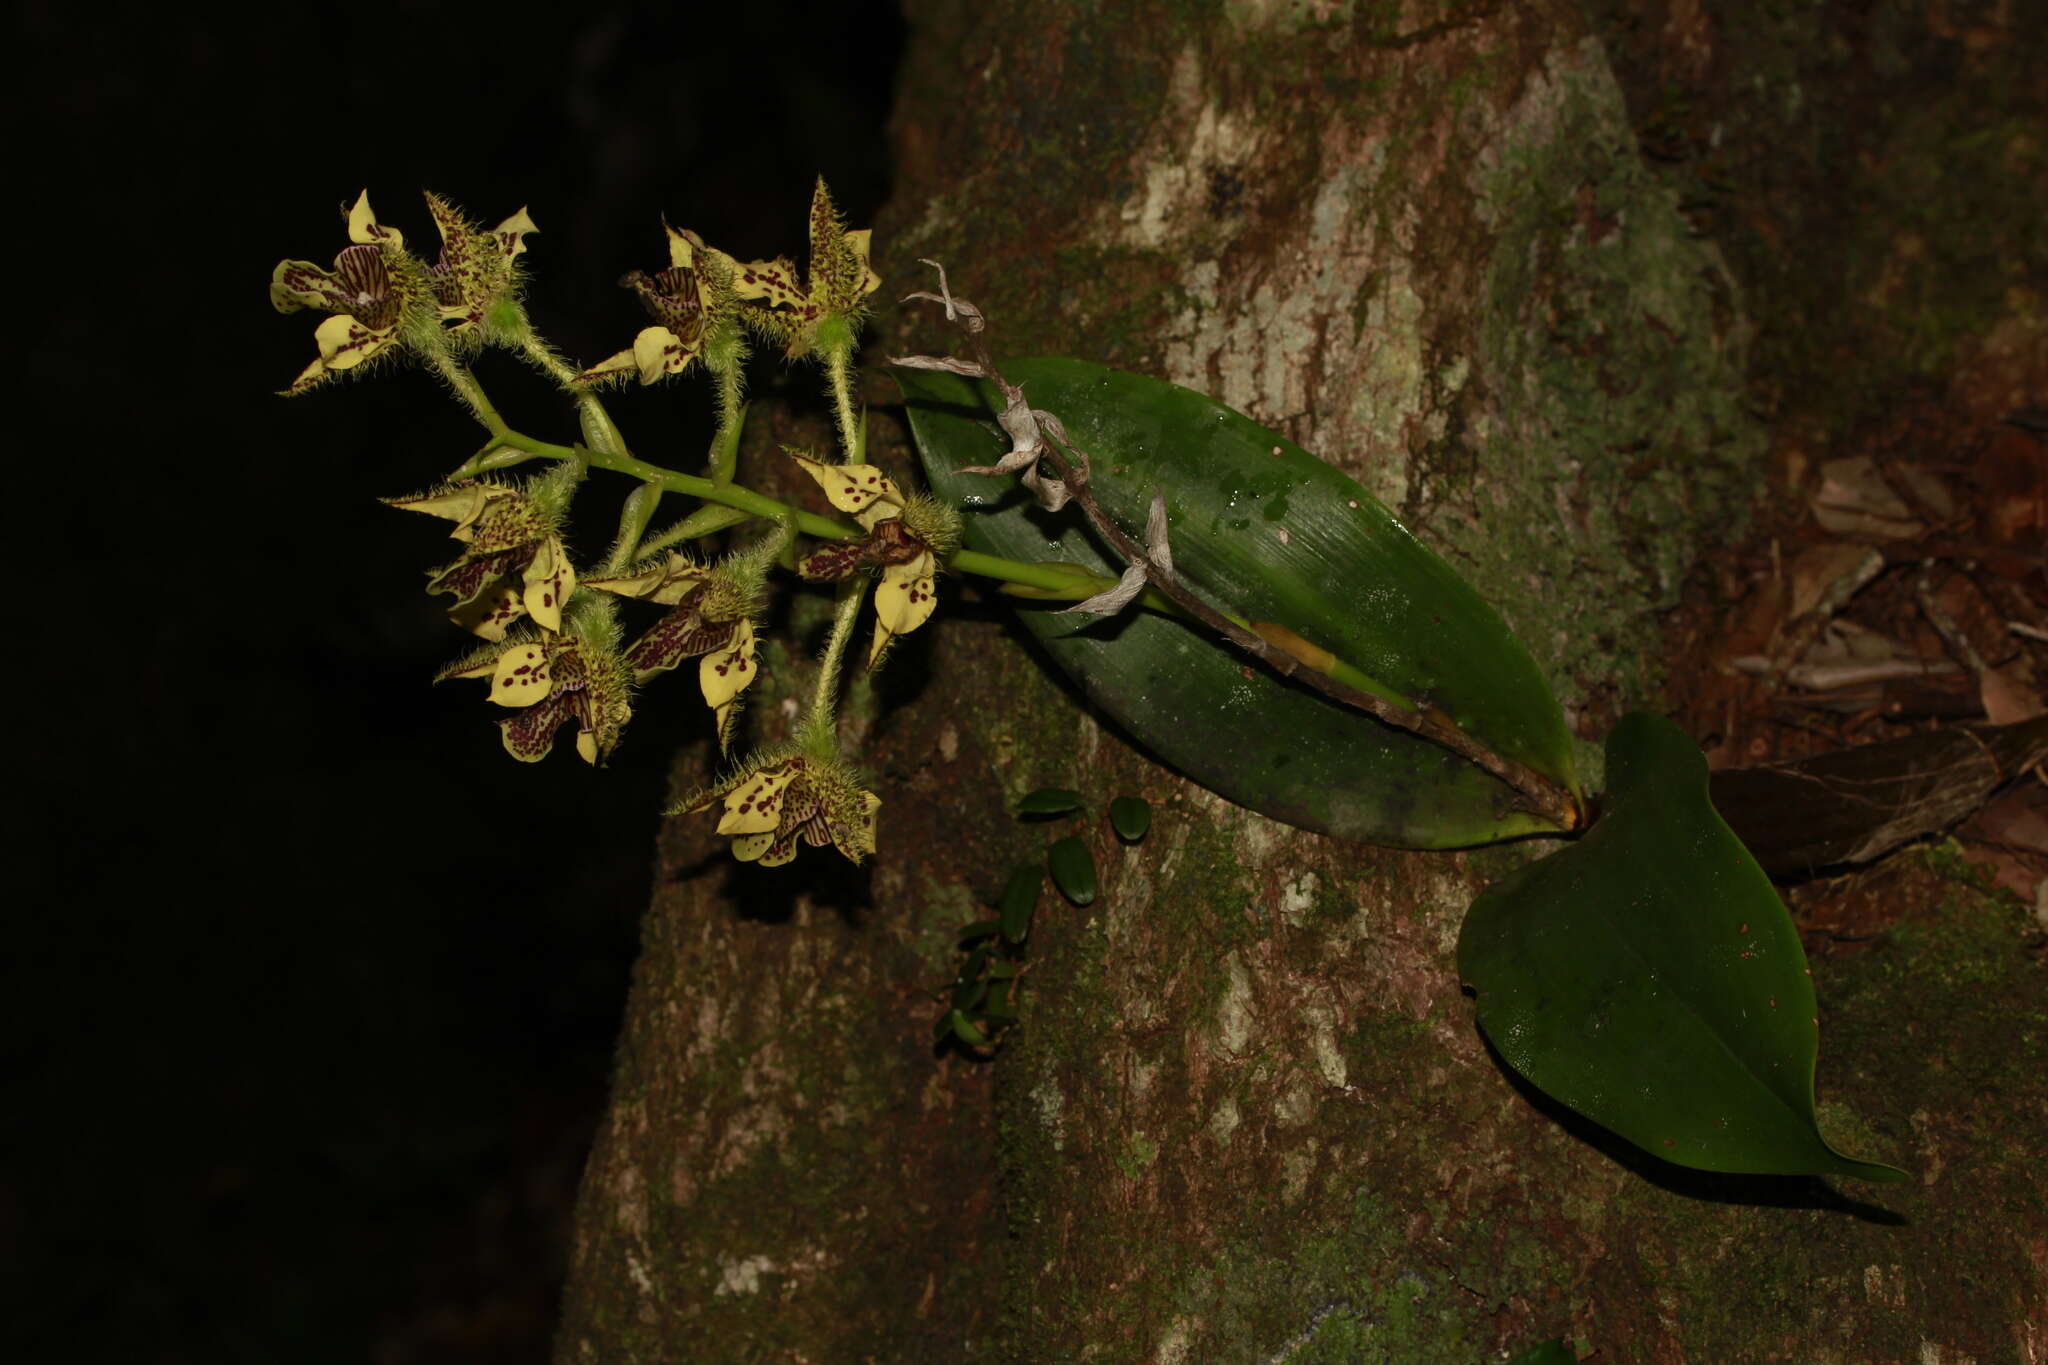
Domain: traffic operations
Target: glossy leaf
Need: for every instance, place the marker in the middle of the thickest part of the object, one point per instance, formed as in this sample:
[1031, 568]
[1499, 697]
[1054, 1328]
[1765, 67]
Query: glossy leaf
[977, 931]
[1020, 899]
[1649, 977]
[1073, 869]
[1050, 801]
[1263, 528]
[1131, 816]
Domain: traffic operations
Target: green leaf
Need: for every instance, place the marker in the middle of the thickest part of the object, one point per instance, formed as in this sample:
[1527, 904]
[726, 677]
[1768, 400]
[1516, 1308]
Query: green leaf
[1649, 977]
[1131, 816]
[1073, 869]
[1020, 900]
[968, 994]
[1346, 575]
[1050, 801]
[977, 931]
[965, 1031]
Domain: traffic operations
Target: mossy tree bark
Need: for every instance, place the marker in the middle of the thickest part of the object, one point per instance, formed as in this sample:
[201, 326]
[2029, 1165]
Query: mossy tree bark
[1248, 1116]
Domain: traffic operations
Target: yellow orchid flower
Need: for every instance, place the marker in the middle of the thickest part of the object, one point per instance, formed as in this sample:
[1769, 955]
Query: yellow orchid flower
[478, 271]
[771, 804]
[506, 532]
[833, 300]
[712, 622]
[688, 301]
[906, 537]
[549, 679]
[374, 288]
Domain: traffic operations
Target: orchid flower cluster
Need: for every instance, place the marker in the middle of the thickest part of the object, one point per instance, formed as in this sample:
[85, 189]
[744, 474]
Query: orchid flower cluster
[556, 648]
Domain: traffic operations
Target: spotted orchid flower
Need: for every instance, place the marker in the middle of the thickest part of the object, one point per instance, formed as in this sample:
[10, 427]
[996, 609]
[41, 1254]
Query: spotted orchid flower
[688, 301]
[478, 272]
[771, 805]
[906, 537]
[547, 680]
[373, 291]
[711, 621]
[834, 295]
[506, 532]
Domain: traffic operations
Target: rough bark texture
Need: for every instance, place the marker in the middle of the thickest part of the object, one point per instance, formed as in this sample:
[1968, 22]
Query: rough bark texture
[1248, 1117]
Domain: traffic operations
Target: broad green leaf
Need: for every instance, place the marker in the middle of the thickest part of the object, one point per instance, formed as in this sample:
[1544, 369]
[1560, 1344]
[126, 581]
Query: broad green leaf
[1649, 977]
[1131, 816]
[1020, 899]
[1049, 801]
[1073, 869]
[1259, 526]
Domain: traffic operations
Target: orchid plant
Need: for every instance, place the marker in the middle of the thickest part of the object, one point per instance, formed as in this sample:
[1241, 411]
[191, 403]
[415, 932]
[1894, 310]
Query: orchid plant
[1394, 704]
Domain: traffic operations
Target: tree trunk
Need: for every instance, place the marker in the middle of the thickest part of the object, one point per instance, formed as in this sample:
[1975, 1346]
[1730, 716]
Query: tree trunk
[1247, 1116]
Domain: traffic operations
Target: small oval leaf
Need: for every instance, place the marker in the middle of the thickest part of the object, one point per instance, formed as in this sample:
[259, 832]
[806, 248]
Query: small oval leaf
[977, 931]
[1131, 816]
[1073, 869]
[1263, 528]
[965, 1031]
[1050, 801]
[1649, 977]
[1020, 900]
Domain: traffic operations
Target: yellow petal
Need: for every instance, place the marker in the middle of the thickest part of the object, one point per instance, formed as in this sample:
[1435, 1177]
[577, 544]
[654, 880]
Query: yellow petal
[586, 745]
[459, 505]
[667, 583]
[859, 241]
[658, 352]
[522, 676]
[614, 366]
[308, 377]
[511, 233]
[549, 578]
[724, 673]
[748, 847]
[860, 489]
[773, 281]
[363, 226]
[906, 595]
[755, 806]
[777, 855]
[864, 834]
[345, 343]
[488, 614]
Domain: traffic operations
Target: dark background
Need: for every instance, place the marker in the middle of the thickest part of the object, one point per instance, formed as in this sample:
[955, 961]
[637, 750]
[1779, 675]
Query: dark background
[312, 990]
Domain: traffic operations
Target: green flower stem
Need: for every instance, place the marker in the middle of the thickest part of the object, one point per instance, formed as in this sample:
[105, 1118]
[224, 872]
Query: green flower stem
[468, 390]
[706, 520]
[819, 734]
[1046, 582]
[633, 519]
[839, 367]
[732, 415]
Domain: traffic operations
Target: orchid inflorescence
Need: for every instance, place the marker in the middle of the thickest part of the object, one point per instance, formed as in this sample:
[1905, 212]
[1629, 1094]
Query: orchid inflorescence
[555, 648]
